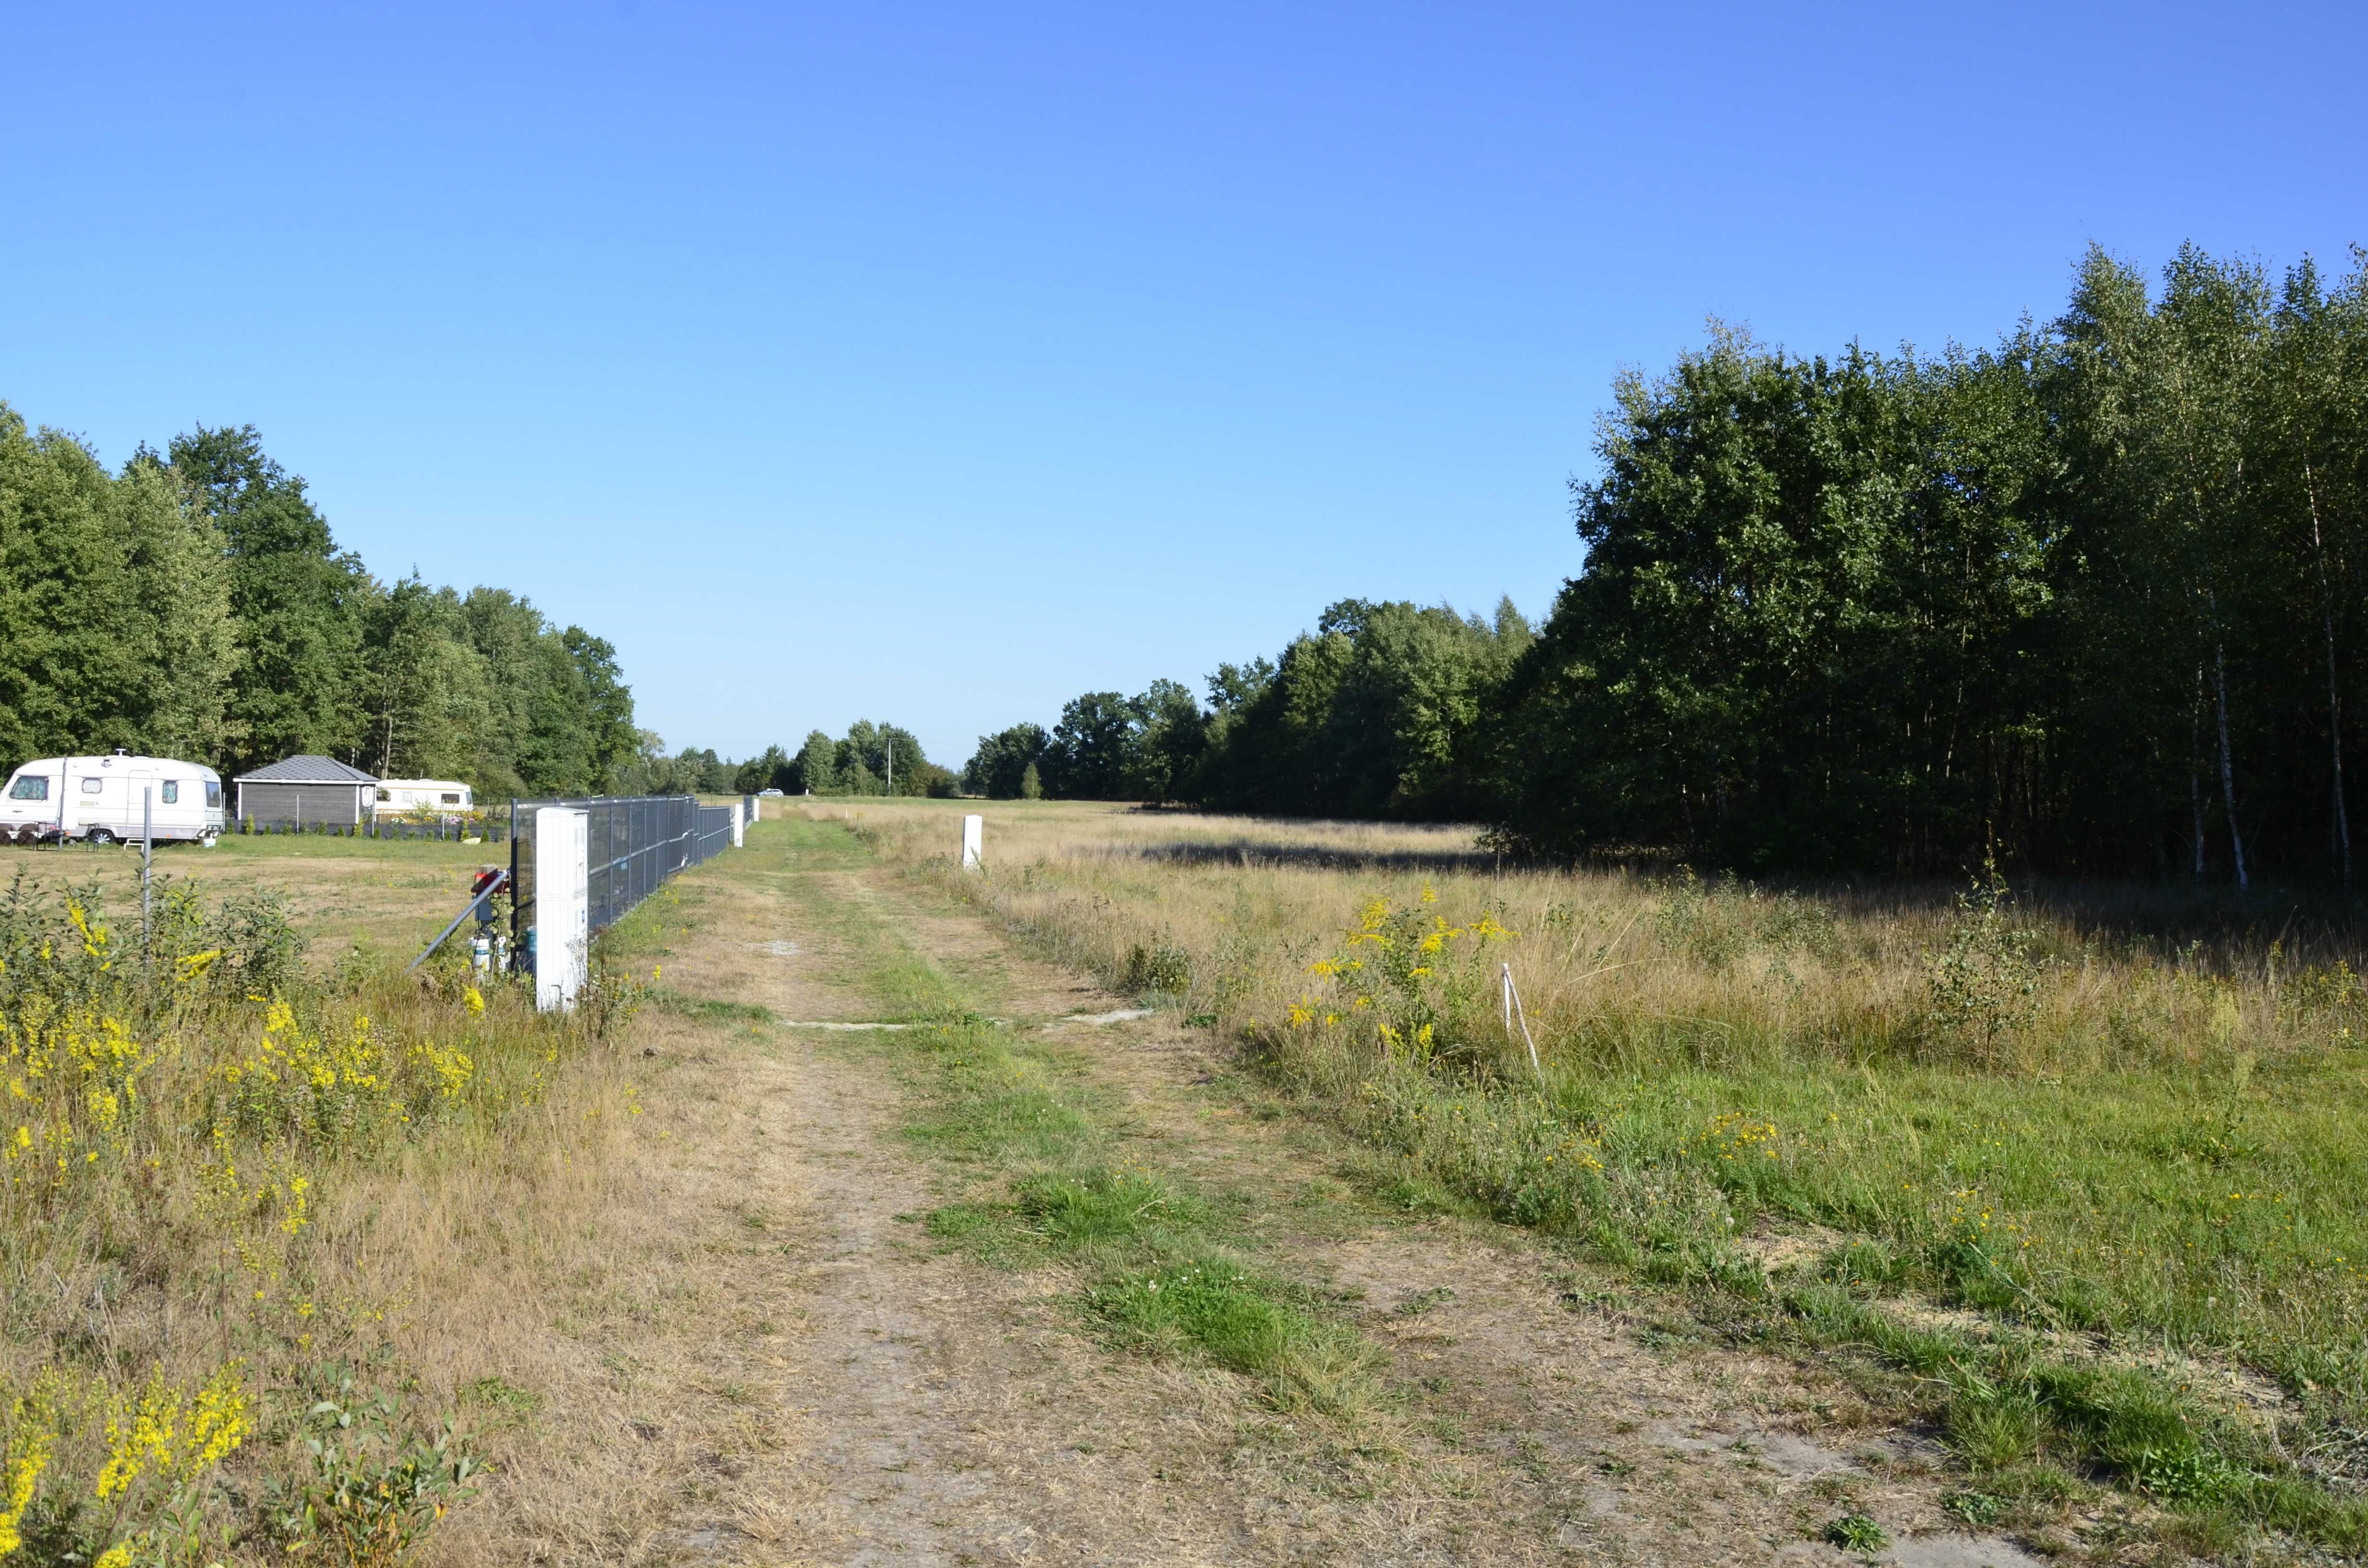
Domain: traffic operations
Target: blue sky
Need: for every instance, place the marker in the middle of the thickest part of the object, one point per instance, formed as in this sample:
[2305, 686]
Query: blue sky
[938, 364]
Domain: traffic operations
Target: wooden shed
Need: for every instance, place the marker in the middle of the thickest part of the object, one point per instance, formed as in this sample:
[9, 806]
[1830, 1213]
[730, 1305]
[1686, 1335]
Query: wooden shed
[305, 791]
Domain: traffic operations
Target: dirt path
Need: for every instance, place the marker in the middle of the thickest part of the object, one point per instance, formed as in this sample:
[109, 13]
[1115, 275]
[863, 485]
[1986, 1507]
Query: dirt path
[902, 1403]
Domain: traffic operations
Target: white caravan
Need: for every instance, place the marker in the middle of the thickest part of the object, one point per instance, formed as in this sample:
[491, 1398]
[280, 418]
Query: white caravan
[99, 798]
[445, 795]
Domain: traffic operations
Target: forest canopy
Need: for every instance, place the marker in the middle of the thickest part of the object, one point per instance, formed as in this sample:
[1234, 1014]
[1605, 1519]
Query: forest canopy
[2088, 598]
[194, 604]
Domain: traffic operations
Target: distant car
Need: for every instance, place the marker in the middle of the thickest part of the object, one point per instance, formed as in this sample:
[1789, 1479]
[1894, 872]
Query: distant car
[761, 793]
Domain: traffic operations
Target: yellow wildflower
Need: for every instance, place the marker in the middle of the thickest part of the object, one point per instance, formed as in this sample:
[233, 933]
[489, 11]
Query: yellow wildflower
[30, 1419]
[140, 1437]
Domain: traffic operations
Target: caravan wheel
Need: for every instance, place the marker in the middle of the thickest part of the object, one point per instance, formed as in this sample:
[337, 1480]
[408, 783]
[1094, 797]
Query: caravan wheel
[101, 836]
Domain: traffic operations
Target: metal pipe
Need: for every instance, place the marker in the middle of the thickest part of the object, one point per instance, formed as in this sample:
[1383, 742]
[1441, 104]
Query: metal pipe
[514, 871]
[501, 879]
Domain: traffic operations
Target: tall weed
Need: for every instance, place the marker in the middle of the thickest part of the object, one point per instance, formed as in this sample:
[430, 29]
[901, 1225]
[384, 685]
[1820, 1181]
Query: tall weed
[173, 1113]
[1986, 985]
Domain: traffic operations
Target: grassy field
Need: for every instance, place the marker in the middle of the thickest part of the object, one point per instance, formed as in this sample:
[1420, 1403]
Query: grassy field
[269, 1210]
[2087, 1162]
[385, 897]
[2070, 1174]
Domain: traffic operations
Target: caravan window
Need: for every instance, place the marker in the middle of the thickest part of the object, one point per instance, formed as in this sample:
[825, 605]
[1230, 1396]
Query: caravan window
[93, 785]
[31, 787]
[450, 799]
[171, 794]
[213, 794]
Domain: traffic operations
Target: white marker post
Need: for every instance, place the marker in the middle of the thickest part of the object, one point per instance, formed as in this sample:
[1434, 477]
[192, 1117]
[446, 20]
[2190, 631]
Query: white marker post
[739, 828]
[973, 841]
[1513, 1010]
[562, 906]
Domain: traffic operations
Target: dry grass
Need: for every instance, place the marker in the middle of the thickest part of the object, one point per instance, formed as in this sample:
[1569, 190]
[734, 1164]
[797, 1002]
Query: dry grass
[229, 1198]
[385, 897]
[2095, 1112]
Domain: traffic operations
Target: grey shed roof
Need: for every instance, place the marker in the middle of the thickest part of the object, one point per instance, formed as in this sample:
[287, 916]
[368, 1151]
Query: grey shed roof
[306, 770]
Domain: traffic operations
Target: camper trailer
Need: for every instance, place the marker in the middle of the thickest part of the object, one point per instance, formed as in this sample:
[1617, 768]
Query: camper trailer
[101, 798]
[441, 795]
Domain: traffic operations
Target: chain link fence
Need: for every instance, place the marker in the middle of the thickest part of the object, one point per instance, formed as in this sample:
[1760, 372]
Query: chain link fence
[635, 843]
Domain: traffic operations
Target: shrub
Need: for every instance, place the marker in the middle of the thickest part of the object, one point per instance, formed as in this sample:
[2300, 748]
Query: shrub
[371, 1485]
[1165, 968]
[1986, 985]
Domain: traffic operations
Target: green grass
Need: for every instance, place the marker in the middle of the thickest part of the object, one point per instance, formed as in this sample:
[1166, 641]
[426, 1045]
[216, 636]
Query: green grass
[2158, 1142]
[866, 955]
[1252, 1324]
[2185, 1187]
[2147, 1182]
[285, 845]
[2219, 1211]
[1162, 1269]
[1646, 1175]
[2143, 1206]
[2026, 1418]
[706, 1009]
[1167, 1271]
[1856, 1532]
[988, 1105]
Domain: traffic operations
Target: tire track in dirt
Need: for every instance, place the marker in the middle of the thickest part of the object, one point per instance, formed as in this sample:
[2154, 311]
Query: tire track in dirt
[951, 1413]
[1690, 1455]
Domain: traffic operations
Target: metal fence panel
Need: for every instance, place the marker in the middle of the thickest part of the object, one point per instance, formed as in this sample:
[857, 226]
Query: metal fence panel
[635, 843]
[714, 831]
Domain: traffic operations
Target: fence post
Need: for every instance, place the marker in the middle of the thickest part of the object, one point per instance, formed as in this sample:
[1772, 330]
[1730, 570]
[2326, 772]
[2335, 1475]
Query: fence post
[516, 941]
[973, 841]
[1513, 1010]
[562, 913]
[147, 848]
[739, 828]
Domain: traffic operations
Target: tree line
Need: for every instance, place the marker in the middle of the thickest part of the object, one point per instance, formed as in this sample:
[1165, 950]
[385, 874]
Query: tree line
[2090, 597]
[193, 603]
[870, 759]
[1374, 714]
